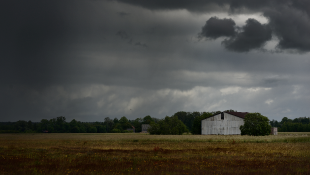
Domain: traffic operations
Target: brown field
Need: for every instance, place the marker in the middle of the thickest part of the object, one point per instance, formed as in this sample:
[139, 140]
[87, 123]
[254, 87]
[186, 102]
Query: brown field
[287, 153]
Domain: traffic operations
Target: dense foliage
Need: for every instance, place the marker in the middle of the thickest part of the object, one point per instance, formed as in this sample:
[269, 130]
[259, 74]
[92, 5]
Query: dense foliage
[301, 124]
[59, 125]
[188, 118]
[255, 124]
[168, 126]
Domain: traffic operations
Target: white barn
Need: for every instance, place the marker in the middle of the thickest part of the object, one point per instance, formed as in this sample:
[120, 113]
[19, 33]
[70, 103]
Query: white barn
[225, 123]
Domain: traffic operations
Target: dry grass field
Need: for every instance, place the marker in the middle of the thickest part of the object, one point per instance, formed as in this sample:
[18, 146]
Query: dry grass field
[287, 153]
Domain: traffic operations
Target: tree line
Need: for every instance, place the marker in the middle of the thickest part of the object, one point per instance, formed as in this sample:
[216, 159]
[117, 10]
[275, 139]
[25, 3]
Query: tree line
[179, 122]
[60, 125]
[301, 124]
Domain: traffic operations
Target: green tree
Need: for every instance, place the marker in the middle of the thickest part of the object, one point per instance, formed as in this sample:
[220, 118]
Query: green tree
[187, 118]
[60, 124]
[74, 126]
[137, 123]
[115, 120]
[44, 125]
[82, 128]
[230, 110]
[109, 123]
[147, 119]
[285, 120]
[255, 124]
[21, 126]
[124, 124]
[168, 126]
[30, 125]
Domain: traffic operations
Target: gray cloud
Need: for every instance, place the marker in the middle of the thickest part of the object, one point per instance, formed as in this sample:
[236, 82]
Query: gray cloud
[216, 28]
[253, 36]
[291, 26]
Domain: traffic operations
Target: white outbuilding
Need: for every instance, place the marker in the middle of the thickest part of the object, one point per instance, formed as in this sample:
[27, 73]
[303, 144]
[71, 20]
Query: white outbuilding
[225, 123]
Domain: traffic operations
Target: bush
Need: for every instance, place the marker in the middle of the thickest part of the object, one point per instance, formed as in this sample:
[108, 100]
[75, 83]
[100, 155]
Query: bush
[255, 124]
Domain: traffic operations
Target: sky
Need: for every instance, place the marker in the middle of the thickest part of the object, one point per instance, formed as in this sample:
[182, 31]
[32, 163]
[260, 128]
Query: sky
[91, 59]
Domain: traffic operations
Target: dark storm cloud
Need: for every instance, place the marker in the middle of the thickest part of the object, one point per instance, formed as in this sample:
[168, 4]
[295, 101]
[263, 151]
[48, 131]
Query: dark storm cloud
[289, 19]
[291, 26]
[253, 36]
[215, 28]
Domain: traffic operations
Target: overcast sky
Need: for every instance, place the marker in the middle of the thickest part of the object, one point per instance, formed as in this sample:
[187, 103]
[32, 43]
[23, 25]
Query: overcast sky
[87, 60]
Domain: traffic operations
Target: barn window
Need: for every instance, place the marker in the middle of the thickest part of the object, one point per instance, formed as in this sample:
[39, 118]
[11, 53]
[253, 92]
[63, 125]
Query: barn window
[222, 115]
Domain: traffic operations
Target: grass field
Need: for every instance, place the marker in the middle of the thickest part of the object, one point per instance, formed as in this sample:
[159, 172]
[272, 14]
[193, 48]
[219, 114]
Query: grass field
[287, 153]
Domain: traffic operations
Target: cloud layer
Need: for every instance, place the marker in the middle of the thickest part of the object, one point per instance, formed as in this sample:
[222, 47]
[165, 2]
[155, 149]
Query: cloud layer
[94, 59]
[289, 20]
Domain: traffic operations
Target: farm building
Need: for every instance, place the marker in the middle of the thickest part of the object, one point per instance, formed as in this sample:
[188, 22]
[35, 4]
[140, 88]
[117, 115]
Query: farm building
[274, 131]
[225, 123]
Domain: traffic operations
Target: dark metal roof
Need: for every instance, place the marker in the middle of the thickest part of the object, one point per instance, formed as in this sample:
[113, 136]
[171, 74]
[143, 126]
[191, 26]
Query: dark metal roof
[238, 114]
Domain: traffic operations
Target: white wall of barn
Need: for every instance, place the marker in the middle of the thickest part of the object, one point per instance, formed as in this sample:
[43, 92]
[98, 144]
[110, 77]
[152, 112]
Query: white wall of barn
[216, 126]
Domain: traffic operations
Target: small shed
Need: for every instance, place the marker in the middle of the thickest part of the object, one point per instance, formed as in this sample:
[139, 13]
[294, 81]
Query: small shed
[224, 123]
[274, 131]
[145, 127]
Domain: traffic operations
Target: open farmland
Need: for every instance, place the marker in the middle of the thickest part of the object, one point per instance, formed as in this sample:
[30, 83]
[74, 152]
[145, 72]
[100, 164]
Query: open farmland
[287, 153]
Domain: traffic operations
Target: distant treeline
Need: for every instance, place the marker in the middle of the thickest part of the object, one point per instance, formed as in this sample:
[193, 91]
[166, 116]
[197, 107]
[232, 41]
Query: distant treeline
[60, 125]
[301, 124]
[192, 121]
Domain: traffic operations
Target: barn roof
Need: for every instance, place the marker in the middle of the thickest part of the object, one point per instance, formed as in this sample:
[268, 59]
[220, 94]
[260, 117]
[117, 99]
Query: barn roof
[238, 114]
